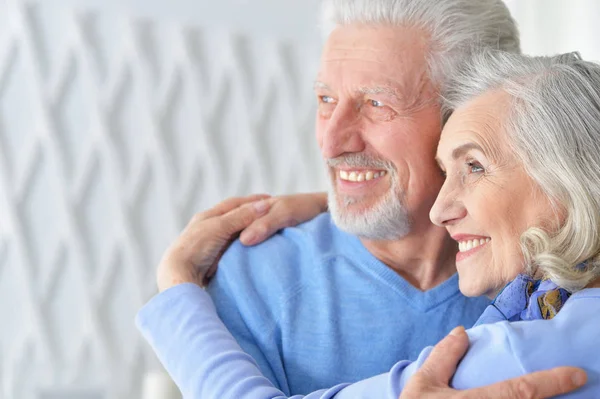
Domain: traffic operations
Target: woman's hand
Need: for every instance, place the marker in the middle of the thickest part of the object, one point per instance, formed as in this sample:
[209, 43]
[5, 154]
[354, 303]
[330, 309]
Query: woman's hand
[193, 257]
[284, 211]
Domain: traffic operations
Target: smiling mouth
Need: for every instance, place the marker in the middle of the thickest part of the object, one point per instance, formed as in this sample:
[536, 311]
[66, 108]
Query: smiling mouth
[360, 175]
[468, 245]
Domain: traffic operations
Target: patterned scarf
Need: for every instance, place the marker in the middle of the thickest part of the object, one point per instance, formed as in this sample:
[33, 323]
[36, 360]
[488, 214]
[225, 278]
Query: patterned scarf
[525, 299]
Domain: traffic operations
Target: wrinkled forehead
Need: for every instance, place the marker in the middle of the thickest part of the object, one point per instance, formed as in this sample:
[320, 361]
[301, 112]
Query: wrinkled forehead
[396, 54]
[483, 120]
[376, 41]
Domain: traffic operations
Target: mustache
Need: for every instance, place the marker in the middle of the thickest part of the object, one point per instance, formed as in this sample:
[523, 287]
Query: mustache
[360, 161]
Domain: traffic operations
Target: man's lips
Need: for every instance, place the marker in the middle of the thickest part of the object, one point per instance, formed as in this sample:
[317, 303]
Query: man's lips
[359, 175]
[356, 181]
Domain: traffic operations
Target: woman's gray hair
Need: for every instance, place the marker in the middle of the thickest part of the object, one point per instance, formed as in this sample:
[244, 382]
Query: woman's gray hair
[453, 25]
[554, 128]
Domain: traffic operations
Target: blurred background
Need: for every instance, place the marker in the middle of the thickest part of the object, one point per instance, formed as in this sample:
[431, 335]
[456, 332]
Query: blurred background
[119, 119]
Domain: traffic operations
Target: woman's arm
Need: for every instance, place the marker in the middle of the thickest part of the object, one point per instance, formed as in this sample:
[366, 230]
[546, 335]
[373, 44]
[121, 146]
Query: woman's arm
[193, 257]
[205, 361]
[203, 358]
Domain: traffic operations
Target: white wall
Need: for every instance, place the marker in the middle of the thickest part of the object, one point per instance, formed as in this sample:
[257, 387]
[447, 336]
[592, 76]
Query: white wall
[288, 19]
[119, 120]
[113, 131]
[557, 26]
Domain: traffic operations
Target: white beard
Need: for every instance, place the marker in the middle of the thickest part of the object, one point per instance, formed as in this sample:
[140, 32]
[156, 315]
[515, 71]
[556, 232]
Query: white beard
[387, 219]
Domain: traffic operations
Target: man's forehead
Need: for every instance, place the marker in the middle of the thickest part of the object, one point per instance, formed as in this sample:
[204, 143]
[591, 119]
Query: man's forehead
[395, 54]
[390, 88]
[373, 60]
[376, 39]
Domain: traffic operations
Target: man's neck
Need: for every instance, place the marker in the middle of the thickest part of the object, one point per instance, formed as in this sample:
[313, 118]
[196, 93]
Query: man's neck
[425, 257]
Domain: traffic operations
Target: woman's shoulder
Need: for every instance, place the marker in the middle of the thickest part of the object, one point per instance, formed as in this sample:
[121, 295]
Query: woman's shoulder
[504, 350]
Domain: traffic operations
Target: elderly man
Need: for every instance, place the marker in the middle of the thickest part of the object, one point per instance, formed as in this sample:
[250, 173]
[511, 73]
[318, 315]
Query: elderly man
[346, 295]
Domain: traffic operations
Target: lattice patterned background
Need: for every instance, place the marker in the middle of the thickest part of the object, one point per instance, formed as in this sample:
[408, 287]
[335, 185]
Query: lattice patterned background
[113, 132]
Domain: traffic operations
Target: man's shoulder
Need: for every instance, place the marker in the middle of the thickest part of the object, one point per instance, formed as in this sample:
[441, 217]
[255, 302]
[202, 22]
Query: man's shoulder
[310, 238]
[317, 229]
[289, 256]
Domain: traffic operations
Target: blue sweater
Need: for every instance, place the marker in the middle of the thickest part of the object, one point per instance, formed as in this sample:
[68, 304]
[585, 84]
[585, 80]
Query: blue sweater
[314, 308]
[206, 362]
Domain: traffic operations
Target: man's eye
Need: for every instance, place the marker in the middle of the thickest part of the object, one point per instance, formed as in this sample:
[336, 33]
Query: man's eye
[327, 99]
[376, 103]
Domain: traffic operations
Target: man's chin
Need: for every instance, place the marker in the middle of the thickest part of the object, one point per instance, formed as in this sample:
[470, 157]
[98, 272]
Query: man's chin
[374, 220]
[356, 203]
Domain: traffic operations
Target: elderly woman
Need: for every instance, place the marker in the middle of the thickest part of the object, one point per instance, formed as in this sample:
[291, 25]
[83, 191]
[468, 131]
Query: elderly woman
[521, 155]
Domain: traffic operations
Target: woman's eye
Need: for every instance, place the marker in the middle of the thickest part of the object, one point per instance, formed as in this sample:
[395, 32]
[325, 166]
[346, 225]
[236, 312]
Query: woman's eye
[475, 167]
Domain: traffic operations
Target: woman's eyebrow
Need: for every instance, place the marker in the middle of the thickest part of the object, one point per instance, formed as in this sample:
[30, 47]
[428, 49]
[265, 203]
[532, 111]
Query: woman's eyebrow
[463, 149]
[459, 152]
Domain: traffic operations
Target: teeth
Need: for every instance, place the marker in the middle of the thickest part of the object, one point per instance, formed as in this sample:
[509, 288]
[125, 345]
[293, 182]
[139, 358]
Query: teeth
[464, 246]
[360, 176]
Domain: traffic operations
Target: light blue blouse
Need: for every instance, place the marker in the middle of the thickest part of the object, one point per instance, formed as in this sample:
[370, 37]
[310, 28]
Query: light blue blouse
[205, 361]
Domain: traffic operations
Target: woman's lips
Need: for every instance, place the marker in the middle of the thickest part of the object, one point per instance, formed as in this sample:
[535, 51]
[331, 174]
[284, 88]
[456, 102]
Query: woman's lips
[469, 245]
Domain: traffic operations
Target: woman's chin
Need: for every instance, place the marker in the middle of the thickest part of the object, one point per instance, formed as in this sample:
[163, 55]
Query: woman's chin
[469, 289]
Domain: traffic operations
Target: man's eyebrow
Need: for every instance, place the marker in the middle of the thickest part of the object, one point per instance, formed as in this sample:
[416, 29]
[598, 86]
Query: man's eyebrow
[321, 85]
[363, 90]
[378, 90]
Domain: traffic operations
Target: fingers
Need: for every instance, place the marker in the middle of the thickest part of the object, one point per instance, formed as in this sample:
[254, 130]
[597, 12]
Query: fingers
[265, 227]
[194, 255]
[286, 211]
[231, 204]
[440, 365]
[320, 200]
[538, 385]
[241, 217]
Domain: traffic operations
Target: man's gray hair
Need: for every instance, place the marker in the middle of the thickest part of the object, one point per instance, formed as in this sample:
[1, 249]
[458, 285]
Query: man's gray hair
[454, 26]
[554, 127]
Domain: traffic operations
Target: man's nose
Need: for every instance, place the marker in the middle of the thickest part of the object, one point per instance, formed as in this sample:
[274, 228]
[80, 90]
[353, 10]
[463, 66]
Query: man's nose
[342, 133]
[448, 208]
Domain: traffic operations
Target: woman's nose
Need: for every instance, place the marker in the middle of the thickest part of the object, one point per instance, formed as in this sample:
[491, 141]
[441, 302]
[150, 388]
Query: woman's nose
[448, 208]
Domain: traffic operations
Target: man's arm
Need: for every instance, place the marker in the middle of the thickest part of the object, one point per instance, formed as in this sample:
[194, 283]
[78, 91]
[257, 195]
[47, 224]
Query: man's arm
[205, 361]
[432, 379]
